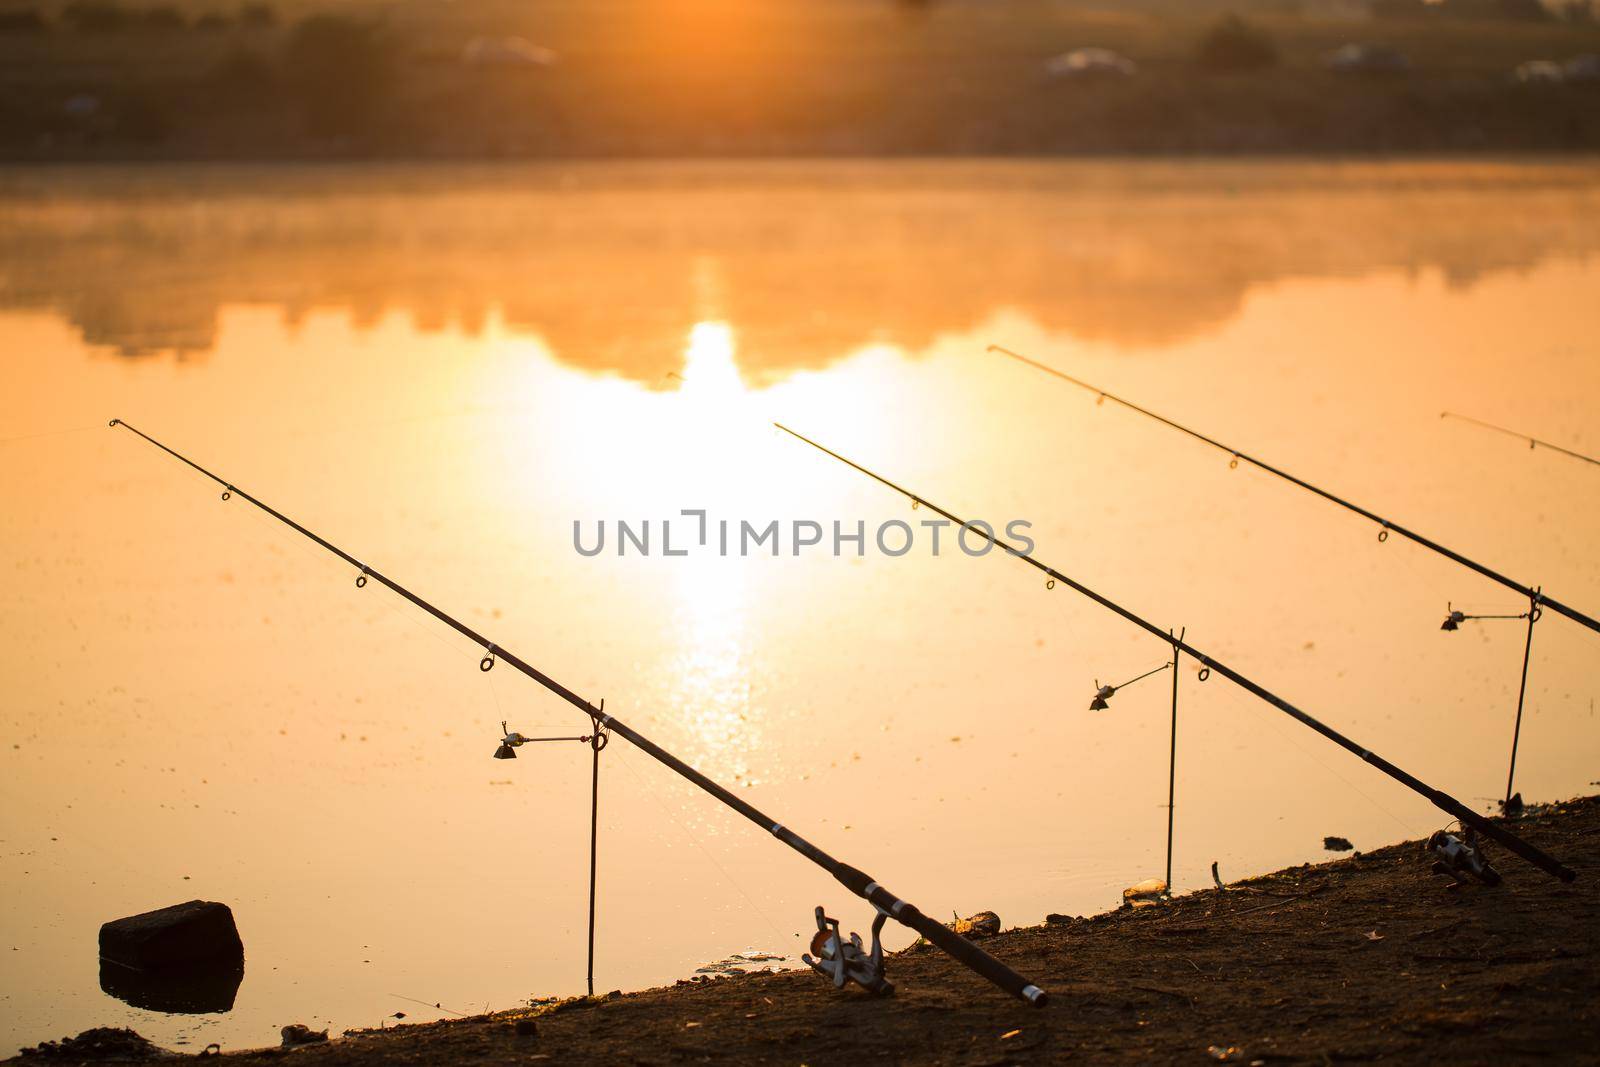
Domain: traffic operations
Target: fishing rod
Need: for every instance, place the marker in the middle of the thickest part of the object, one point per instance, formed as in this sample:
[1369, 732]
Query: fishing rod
[1387, 527]
[838, 959]
[1533, 442]
[1439, 799]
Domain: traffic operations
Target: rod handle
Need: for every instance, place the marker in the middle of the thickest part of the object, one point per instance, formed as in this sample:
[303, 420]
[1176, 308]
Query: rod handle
[942, 937]
[1504, 838]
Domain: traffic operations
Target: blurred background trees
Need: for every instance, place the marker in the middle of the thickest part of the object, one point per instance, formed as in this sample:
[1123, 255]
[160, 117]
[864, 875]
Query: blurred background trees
[1234, 44]
[489, 78]
[341, 71]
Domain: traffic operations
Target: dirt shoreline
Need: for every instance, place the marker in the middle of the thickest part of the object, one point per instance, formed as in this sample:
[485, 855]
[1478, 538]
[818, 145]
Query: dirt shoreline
[1371, 957]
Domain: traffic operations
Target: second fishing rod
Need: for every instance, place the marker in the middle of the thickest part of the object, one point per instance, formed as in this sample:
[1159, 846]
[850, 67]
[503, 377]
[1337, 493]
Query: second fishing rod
[1441, 800]
[1534, 594]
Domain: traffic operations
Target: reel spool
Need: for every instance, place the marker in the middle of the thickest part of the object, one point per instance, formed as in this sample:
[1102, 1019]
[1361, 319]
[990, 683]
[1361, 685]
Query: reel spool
[842, 961]
[1460, 857]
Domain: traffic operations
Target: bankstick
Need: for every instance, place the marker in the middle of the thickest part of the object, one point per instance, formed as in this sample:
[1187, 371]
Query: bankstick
[858, 882]
[1443, 801]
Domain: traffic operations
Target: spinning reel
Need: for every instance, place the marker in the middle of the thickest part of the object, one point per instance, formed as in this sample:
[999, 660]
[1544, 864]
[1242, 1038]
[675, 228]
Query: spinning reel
[1461, 856]
[842, 961]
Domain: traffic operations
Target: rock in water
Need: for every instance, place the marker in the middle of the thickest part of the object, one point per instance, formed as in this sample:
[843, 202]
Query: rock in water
[1337, 844]
[200, 931]
[193, 989]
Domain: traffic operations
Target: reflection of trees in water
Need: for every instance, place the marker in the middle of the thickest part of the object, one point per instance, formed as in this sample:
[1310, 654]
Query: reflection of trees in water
[612, 265]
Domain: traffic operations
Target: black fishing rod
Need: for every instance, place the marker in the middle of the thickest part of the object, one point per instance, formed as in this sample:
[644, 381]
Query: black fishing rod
[1441, 800]
[1533, 442]
[1533, 593]
[856, 881]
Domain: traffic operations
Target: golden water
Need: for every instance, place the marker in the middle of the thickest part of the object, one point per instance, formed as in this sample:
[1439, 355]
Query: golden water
[441, 368]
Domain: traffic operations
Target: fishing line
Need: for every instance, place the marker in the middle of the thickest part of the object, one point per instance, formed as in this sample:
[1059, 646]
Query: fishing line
[1533, 442]
[1443, 801]
[1400, 552]
[1536, 598]
[499, 705]
[1386, 527]
[1066, 616]
[494, 692]
[425, 1004]
[836, 960]
[1293, 739]
[690, 836]
[320, 561]
[1423, 583]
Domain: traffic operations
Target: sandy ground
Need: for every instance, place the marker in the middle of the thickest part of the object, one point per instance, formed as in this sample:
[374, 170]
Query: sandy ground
[1372, 957]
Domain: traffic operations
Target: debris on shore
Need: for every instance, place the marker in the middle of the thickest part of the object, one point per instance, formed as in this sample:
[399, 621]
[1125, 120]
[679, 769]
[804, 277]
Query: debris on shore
[977, 927]
[297, 1034]
[1145, 894]
[750, 961]
[1356, 959]
[98, 1045]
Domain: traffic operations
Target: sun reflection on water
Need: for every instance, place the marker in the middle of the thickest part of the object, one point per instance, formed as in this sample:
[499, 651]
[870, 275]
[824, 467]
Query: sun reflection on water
[710, 668]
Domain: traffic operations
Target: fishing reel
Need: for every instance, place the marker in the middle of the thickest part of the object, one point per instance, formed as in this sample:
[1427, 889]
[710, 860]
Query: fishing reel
[1461, 856]
[842, 961]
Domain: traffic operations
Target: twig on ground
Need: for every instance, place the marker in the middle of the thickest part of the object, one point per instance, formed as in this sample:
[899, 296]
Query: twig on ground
[1165, 992]
[1270, 904]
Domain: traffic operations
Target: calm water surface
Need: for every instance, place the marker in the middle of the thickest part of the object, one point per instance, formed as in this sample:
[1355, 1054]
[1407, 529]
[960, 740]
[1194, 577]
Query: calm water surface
[443, 368]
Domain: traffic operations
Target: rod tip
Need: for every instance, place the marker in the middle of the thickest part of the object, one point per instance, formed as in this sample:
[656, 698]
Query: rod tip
[114, 422]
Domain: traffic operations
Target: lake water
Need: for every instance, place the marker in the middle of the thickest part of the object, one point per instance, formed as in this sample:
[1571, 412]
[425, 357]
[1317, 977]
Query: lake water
[442, 368]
